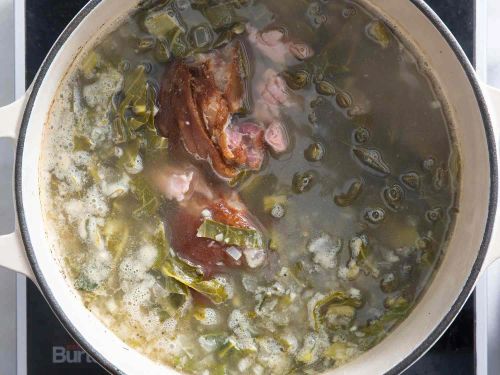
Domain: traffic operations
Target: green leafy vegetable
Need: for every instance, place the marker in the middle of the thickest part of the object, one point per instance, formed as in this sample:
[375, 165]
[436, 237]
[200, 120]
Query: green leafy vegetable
[90, 64]
[227, 349]
[214, 340]
[135, 82]
[119, 132]
[146, 43]
[341, 352]
[160, 241]
[181, 271]
[116, 234]
[220, 369]
[201, 37]
[224, 38]
[221, 16]
[138, 107]
[130, 153]
[193, 278]
[308, 354]
[337, 298]
[377, 329]
[156, 143]
[212, 289]
[178, 299]
[149, 200]
[178, 43]
[175, 287]
[160, 23]
[82, 143]
[339, 316]
[229, 235]
[162, 51]
[83, 283]
[239, 179]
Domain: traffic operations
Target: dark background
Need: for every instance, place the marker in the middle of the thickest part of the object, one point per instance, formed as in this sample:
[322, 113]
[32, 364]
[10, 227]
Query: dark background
[45, 19]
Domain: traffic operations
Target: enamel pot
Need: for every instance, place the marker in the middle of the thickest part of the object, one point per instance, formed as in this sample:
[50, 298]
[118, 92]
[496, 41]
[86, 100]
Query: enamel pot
[474, 244]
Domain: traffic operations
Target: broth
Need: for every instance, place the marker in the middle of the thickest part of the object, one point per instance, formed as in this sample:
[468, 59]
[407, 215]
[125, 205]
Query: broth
[248, 186]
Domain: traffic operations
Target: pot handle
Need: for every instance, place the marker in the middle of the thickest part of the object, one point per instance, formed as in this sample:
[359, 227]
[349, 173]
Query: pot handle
[12, 253]
[493, 99]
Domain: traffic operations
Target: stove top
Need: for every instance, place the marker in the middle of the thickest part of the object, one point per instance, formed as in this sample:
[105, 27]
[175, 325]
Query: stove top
[52, 351]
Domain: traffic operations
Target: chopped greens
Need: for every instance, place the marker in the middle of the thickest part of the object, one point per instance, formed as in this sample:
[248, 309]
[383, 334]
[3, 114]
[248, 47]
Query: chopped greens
[139, 103]
[336, 298]
[90, 64]
[192, 277]
[221, 16]
[160, 241]
[147, 198]
[116, 234]
[84, 284]
[230, 235]
[161, 23]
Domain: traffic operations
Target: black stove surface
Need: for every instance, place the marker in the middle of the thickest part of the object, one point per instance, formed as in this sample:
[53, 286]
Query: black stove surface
[52, 351]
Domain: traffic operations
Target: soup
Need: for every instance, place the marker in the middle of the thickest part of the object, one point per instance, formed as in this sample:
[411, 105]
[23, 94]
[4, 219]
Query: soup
[247, 186]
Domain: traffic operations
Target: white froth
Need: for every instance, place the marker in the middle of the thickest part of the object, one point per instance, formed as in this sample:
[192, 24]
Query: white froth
[250, 283]
[244, 364]
[132, 270]
[272, 355]
[170, 325]
[210, 318]
[177, 346]
[258, 369]
[227, 284]
[208, 344]
[116, 188]
[255, 257]
[355, 293]
[93, 204]
[81, 158]
[147, 256]
[96, 270]
[111, 305]
[99, 93]
[136, 300]
[343, 273]
[240, 325]
[324, 250]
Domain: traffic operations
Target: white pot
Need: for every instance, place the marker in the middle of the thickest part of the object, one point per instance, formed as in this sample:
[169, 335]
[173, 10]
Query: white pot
[474, 245]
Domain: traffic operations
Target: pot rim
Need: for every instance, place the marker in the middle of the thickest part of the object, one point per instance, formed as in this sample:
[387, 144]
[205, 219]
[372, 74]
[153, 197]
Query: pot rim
[422, 348]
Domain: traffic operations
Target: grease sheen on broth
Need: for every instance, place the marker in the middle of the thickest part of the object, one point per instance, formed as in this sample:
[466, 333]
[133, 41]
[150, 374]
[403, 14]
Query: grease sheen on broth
[291, 230]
